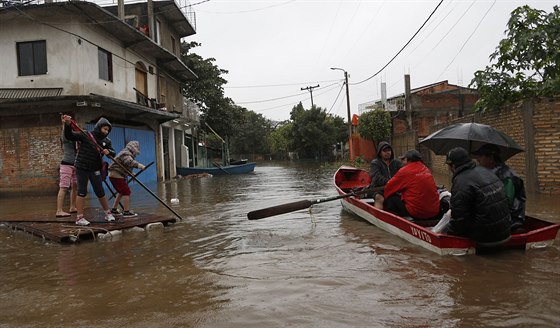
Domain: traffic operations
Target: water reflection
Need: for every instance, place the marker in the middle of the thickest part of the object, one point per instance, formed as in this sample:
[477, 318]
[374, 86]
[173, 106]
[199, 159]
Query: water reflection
[217, 269]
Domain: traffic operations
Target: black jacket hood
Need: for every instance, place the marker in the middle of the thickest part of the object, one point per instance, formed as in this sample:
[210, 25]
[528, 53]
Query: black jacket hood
[382, 145]
[102, 122]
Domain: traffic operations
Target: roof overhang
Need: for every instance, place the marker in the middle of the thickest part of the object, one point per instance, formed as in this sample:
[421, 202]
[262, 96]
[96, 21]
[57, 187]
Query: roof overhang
[125, 110]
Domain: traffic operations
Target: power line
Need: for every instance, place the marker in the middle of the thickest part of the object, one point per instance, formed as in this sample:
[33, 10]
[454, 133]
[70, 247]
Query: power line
[467, 40]
[395, 56]
[298, 101]
[336, 99]
[276, 85]
[250, 10]
[272, 99]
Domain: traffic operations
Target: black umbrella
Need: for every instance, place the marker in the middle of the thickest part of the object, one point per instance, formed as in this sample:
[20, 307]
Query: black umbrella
[471, 136]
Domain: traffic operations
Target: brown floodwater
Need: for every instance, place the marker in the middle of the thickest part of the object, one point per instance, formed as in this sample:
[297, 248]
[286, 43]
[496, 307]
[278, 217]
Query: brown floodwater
[324, 268]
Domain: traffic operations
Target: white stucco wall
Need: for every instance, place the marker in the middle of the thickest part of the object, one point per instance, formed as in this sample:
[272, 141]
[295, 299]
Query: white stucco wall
[72, 60]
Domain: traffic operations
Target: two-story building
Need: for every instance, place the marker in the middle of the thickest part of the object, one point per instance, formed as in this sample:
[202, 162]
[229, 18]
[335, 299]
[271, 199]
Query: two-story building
[120, 62]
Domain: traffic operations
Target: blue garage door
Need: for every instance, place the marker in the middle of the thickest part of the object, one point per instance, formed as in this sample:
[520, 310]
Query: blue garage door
[120, 136]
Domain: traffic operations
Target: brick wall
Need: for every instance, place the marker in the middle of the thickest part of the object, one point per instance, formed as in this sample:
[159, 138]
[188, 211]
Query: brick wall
[30, 154]
[546, 128]
[546, 123]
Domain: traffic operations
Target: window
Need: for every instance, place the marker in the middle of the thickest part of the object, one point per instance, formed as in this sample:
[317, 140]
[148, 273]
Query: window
[105, 59]
[32, 57]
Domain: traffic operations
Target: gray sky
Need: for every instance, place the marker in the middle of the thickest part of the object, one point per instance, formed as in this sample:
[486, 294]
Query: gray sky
[273, 48]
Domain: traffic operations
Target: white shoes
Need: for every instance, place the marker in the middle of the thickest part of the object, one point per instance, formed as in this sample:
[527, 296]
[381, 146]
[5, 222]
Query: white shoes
[109, 216]
[81, 221]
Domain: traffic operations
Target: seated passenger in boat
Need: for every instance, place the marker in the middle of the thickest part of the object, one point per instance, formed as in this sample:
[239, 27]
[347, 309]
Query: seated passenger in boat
[488, 156]
[412, 191]
[384, 166]
[479, 207]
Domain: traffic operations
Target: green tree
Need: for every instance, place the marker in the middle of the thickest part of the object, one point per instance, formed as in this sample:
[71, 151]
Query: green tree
[207, 91]
[280, 141]
[375, 125]
[527, 60]
[251, 133]
[245, 131]
[314, 132]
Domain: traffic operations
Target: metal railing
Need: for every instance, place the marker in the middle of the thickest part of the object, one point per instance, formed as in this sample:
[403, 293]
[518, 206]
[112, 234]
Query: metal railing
[183, 5]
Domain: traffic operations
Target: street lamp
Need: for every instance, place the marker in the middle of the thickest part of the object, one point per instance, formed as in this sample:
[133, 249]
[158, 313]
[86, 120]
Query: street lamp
[348, 109]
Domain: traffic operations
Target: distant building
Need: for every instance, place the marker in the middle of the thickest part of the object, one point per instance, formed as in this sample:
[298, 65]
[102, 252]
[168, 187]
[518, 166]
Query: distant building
[83, 60]
[425, 106]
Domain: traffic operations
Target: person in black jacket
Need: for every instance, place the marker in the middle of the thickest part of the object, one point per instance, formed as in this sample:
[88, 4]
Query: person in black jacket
[488, 156]
[385, 166]
[479, 208]
[89, 162]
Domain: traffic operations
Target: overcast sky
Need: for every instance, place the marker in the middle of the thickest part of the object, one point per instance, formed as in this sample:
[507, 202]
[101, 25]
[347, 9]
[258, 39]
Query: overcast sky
[273, 48]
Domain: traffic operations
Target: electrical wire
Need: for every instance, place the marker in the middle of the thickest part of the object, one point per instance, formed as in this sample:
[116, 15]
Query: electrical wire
[250, 10]
[336, 99]
[406, 44]
[467, 40]
[277, 85]
[285, 97]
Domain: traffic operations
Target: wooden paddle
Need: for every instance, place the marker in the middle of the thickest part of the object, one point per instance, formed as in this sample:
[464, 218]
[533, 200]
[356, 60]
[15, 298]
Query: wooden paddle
[301, 205]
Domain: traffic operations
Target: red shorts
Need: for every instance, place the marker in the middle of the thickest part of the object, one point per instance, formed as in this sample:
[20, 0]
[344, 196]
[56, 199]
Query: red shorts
[120, 185]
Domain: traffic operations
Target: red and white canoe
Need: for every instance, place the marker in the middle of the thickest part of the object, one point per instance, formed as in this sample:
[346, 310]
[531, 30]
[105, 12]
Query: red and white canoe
[536, 233]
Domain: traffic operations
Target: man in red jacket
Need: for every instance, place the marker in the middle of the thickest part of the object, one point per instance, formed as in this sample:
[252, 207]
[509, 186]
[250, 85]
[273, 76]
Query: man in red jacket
[412, 191]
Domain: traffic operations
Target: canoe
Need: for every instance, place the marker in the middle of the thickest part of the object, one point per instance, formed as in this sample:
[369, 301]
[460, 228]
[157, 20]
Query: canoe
[536, 233]
[218, 170]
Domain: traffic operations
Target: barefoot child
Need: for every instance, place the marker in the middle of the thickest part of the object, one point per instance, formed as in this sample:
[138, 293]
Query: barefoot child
[92, 147]
[118, 175]
[67, 176]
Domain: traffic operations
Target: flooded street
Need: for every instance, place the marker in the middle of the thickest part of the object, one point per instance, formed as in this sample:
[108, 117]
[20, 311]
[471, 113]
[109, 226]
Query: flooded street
[215, 268]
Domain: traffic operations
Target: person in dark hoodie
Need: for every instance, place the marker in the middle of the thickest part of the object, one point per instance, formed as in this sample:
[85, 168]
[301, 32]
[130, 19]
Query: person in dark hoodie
[118, 175]
[384, 166]
[479, 207]
[89, 162]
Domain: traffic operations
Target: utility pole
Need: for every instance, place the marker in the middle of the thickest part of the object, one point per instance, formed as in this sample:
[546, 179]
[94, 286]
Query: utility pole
[348, 109]
[310, 89]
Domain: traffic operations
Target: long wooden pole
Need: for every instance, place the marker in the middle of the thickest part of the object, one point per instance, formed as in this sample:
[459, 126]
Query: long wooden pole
[301, 205]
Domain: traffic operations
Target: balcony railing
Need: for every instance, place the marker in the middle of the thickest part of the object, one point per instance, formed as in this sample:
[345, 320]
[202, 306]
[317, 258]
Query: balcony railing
[184, 5]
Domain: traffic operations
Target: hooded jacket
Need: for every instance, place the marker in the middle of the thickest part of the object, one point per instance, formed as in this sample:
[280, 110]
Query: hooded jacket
[381, 172]
[515, 191]
[88, 157]
[127, 158]
[479, 208]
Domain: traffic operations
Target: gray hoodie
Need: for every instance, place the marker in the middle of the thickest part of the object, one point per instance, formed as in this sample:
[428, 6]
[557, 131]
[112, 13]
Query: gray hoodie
[379, 171]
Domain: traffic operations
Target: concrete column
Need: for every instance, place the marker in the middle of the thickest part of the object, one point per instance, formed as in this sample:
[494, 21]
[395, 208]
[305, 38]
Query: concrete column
[172, 155]
[532, 179]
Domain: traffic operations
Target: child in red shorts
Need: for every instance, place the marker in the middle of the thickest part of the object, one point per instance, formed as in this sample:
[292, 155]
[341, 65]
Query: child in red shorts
[68, 179]
[118, 176]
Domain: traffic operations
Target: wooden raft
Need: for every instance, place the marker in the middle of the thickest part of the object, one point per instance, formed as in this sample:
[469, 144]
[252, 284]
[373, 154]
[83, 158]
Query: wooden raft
[63, 230]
